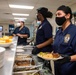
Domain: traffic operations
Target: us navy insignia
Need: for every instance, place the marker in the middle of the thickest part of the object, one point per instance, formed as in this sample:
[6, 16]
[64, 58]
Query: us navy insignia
[67, 38]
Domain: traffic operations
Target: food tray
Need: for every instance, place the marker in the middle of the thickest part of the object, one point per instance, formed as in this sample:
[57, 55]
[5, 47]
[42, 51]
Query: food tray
[22, 54]
[27, 69]
[31, 66]
[24, 51]
[24, 63]
[19, 47]
[19, 50]
[26, 72]
[28, 47]
[23, 57]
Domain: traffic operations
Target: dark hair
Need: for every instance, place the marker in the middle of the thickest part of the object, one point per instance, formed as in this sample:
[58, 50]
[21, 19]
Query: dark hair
[44, 11]
[66, 10]
[49, 14]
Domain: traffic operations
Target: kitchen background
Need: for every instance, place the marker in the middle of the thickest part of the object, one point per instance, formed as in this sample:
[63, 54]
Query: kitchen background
[8, 21]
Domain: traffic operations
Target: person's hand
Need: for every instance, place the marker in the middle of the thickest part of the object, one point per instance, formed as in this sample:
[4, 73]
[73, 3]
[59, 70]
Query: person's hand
[27, 43]
[65, 59]
[35, 51]
[19, 35]
[14, 35]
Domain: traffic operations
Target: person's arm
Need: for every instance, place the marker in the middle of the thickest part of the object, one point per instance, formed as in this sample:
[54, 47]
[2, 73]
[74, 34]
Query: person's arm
[73, 58]
[48, 42]
[22, 35]
[36, 51]
[14, 34]
[66, 59]
[26, 35]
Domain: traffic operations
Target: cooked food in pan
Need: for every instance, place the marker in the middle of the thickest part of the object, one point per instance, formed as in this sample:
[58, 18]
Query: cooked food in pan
[22, 57]
[34, 74]
[24, 63]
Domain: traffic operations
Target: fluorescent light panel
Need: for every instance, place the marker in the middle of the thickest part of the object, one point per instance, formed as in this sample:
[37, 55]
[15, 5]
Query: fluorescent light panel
[20, 6]
[19, 18]
[17, 14]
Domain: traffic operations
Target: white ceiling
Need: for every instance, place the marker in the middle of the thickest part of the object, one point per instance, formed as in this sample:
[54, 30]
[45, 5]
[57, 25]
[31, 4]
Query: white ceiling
[6, 12]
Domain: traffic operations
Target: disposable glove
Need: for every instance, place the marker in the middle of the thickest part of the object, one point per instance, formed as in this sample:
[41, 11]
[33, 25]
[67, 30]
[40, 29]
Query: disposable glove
[27, 43]
[65, 59]
[35, 51]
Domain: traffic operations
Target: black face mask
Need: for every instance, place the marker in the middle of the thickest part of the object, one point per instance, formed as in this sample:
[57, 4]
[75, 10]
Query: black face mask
[60, 20]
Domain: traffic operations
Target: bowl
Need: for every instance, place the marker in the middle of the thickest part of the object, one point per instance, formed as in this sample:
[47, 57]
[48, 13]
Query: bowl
[2, 49]
[5, 44]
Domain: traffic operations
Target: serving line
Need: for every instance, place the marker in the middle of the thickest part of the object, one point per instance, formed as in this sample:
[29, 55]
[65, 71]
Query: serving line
[9, 57]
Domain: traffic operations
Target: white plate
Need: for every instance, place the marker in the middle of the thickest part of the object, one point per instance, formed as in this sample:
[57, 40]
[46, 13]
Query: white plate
[2, 50]
[50, 58]
[5, 44]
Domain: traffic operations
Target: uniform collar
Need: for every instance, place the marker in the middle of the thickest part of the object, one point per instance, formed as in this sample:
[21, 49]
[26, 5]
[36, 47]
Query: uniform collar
[66, 30]
[43, 21]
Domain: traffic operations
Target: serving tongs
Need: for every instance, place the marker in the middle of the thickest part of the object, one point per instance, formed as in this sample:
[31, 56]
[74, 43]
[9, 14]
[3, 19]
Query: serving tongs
[35, 72]
[36, 66]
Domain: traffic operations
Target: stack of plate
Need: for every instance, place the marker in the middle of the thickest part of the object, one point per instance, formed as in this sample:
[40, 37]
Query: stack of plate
[2, 53]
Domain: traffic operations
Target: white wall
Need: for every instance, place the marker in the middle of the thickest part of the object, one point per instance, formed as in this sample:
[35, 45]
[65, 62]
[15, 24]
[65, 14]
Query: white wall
[52, 21]
[73, 7]
[5, 28]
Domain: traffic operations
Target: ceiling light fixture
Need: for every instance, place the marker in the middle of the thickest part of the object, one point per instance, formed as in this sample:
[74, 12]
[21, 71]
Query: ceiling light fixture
[20, 6]
[20, 18]
[17, 14]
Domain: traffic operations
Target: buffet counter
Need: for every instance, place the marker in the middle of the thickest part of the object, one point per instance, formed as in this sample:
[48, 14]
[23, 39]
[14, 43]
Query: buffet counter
[7, 68]
[10, 66]
[28, 64]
